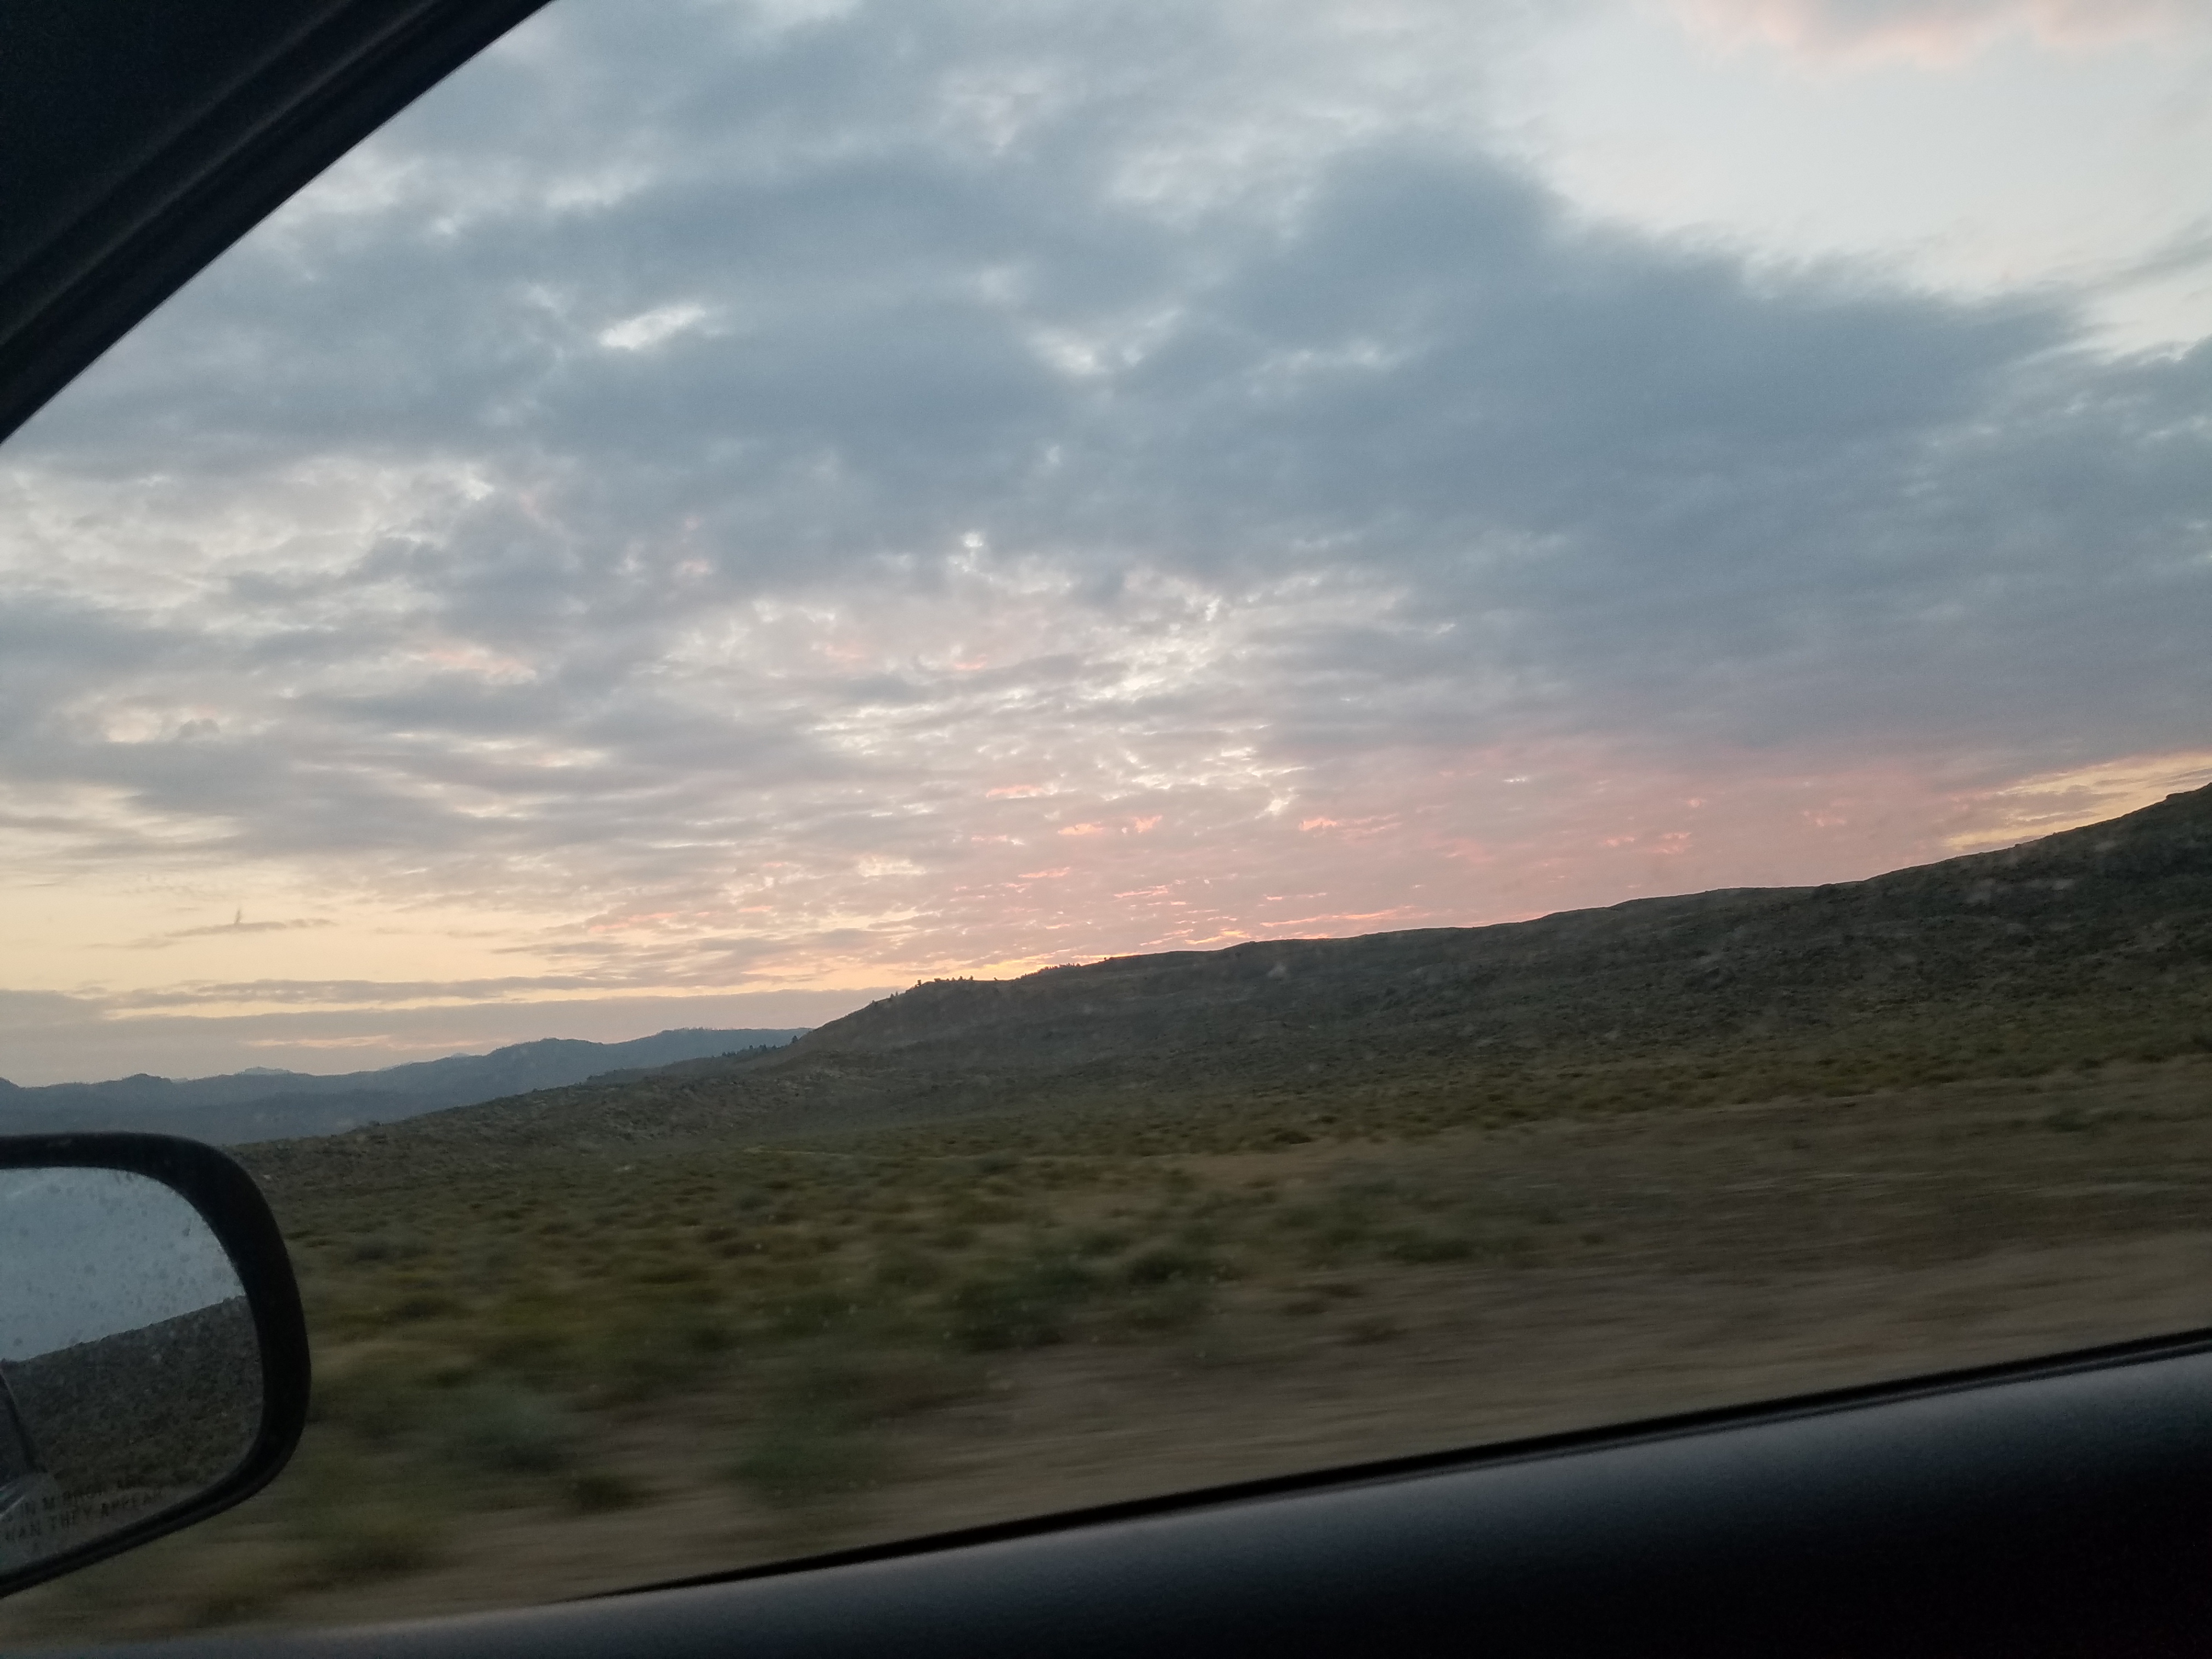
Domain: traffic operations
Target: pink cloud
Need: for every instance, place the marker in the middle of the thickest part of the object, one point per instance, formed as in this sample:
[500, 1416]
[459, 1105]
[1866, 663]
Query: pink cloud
[1929, 33]
[2052, 801]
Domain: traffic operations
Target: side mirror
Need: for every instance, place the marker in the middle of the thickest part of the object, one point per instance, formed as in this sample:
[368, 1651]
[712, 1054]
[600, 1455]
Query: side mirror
[153, 1356]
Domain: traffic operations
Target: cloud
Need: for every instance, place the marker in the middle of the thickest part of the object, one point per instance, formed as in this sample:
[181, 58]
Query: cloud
[2044, 805]
[710, 542]
[230, 930]
[1929, 33]
[651, 328]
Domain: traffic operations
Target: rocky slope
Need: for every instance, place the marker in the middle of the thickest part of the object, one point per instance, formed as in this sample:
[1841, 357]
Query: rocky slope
[2115, 919]
[2085, 946]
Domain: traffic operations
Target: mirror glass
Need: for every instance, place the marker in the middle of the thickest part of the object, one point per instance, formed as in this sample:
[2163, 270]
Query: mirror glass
[129, 1370]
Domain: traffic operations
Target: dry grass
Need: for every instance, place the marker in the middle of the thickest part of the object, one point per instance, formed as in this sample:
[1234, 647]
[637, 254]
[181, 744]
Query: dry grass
[549, 1371]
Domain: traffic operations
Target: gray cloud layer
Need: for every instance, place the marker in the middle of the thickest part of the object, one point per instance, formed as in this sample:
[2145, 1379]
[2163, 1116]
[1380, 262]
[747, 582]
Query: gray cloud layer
[666, 406]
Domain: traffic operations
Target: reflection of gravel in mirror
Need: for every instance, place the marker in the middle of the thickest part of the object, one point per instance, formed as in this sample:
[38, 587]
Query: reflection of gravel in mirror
[133, 1422]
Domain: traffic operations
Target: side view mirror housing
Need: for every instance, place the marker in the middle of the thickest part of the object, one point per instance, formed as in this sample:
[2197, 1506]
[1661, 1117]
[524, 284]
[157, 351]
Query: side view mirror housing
[153, 1355]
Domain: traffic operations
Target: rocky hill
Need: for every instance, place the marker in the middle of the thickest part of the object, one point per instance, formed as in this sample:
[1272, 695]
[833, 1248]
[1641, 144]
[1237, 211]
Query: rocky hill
[2113, 921]
[2085, 946]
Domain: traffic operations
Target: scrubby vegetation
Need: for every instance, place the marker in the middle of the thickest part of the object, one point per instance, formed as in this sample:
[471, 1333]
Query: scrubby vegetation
[754, 1351]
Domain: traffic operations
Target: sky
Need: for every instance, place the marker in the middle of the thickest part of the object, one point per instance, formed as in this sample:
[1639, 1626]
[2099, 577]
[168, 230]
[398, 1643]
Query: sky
[729, 507]
[87, 1253]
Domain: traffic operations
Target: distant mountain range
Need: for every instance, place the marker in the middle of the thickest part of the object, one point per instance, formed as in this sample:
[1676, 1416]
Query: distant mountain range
[263, 1104]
